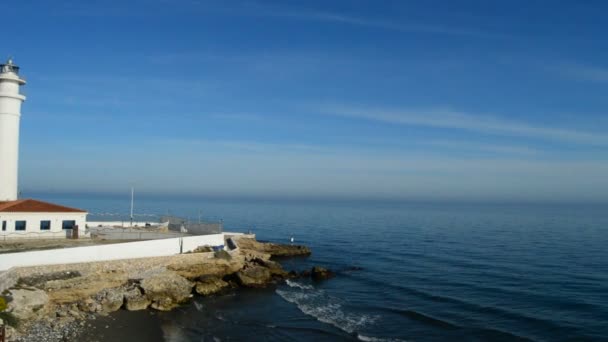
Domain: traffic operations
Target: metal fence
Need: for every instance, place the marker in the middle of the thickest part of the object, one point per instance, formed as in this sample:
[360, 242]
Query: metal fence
[107, 233]
[179, 224]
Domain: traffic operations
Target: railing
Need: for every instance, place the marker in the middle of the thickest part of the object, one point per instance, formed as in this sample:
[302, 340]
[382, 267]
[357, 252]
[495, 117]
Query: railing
[108, 233]
[9, 68]
[179, 224]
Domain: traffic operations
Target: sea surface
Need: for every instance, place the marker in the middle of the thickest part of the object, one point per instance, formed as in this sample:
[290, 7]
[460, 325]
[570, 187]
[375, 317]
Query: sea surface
[405, 272]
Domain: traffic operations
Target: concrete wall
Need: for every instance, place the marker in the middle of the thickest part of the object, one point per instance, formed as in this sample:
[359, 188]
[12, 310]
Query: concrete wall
[32, 229]
[129, 250]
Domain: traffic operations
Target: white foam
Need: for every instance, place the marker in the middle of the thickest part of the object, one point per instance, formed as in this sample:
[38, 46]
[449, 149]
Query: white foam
[326, 309]
[377, 339]
[298, 285]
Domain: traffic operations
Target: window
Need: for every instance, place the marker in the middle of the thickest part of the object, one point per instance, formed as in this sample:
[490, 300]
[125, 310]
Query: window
[45, 225]
[3, 225]
[19, 225]
[68, 224]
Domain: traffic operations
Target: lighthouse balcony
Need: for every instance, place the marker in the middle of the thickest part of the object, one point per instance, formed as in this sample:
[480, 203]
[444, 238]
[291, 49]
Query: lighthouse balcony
[5, 68]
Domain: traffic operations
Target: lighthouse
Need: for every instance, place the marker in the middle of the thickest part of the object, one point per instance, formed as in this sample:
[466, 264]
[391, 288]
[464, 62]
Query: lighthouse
[10, 114]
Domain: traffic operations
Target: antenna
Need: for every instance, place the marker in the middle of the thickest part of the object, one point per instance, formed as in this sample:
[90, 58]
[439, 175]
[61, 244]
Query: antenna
[132, 195]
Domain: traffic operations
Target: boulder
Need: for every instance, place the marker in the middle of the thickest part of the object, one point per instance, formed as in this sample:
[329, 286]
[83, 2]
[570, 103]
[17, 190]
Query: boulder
[135, 300]
[166, 290]
[254, 276]
[27, 302]
[89, 305]
[202, 249]
[280, 250]
[320, 273]
[111, 299]
[273, 249]
[209, 285]
[207, 267]
[275, 269]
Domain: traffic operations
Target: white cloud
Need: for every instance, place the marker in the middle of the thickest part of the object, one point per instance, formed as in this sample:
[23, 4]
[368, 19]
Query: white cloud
[323, 16]
[475, 123]
[484, 147]
[584, 73]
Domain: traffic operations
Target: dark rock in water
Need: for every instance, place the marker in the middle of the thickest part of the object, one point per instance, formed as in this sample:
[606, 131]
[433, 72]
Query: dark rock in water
[256, 276]
[320, 273]
[209, 285]
[305, 274]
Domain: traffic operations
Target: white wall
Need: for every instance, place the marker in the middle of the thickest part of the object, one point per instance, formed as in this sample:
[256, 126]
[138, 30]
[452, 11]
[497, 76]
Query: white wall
[32, 229]
[129, 250]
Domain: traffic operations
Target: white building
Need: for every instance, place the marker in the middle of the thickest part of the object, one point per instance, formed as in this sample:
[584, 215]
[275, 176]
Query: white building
[28, 218]
[24, 218]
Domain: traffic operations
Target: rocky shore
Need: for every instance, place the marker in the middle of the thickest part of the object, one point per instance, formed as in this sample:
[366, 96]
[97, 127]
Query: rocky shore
[53, 303]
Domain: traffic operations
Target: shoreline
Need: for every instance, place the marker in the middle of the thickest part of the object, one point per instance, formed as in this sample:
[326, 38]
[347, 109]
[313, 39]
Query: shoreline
[60, 301]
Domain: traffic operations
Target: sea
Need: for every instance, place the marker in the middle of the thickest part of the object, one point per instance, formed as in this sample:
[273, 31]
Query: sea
[405, 271]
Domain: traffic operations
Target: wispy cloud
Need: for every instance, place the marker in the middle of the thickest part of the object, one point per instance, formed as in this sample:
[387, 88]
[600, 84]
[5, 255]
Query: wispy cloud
[485, 124]
[484, 147]
[583, 72]
[259, 9]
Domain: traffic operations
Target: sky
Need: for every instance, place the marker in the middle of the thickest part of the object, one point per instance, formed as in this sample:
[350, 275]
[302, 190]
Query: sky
[414, 100]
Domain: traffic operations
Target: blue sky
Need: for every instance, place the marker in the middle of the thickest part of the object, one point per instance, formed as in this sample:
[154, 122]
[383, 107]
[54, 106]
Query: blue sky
[422, 100]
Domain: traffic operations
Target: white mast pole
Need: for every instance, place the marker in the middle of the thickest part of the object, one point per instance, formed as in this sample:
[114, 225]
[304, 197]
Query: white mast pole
[132, 193]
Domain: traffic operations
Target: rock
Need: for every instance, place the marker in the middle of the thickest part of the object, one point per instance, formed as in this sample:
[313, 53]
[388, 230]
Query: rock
[111, 299]
[276, 270]
[38, 280]
[275, 250]
[74, 313]
[255, 276]
[26, 303]
[166, 290]
[89, 305]
[135, 300]
[209, 285]
[210, 267]
[222, 254]
[202, 249]
[320, 273]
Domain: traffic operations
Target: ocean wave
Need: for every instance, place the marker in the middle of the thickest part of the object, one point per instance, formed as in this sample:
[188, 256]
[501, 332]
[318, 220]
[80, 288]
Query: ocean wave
[298, 285]
[377, 339]
[326, 309]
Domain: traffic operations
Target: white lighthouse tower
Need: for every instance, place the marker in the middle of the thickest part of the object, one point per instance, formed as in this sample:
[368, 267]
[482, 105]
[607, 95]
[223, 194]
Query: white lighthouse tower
[10, 114]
